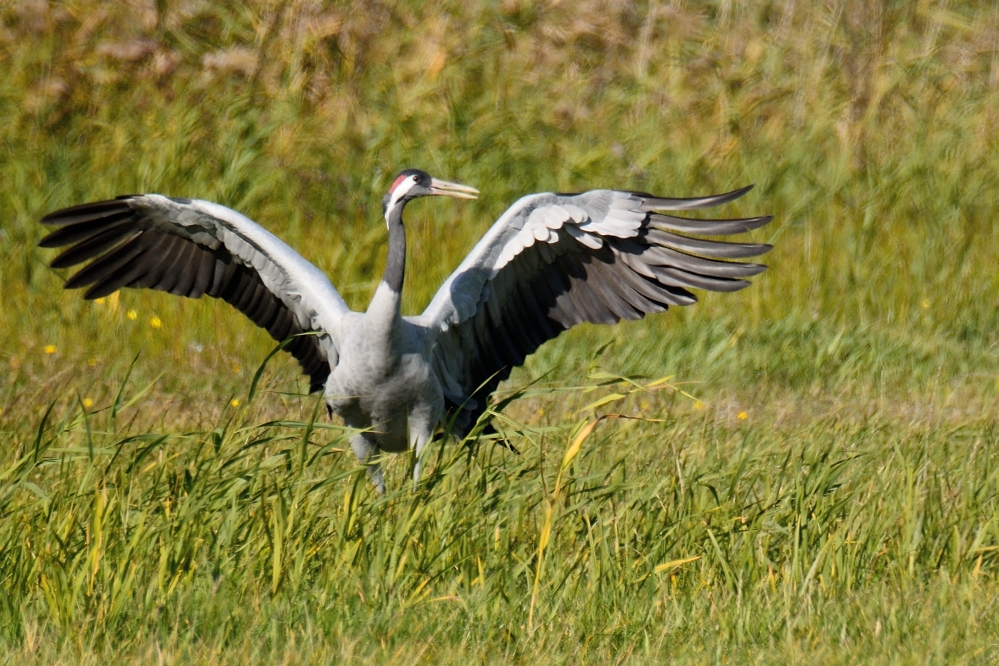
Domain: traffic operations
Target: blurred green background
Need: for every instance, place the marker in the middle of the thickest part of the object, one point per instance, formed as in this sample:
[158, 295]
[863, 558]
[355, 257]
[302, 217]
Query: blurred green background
[869, 129]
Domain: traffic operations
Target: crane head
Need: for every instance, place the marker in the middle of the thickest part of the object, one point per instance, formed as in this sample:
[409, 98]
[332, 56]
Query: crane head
[413, 183]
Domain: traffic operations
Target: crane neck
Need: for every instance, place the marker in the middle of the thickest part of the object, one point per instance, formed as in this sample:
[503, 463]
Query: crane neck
[382, 320]
[395, 267]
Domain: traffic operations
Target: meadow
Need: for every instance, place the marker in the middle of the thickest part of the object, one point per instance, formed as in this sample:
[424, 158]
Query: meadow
[805, 471]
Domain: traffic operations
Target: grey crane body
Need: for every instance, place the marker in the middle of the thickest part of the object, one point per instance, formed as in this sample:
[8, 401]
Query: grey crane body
[384, 385]
[551, 261]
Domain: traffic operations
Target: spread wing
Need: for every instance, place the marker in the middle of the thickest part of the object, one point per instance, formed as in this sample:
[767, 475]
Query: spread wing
[555, 260]
[190, 247]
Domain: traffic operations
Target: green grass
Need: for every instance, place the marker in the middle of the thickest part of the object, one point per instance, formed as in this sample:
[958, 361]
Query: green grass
[817, 481]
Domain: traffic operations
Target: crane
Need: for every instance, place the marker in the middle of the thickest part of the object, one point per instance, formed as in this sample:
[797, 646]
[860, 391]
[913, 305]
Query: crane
[550, 262]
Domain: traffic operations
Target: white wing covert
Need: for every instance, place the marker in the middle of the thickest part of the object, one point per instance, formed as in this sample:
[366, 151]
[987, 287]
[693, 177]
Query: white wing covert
[556, 260]
[191, 247]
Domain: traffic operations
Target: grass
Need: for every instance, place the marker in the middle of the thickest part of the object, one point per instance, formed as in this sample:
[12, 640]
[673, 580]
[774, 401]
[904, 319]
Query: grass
[816, 482]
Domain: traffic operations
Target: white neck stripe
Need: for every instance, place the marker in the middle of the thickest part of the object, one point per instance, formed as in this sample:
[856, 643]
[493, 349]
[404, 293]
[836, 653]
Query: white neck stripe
[398, 193]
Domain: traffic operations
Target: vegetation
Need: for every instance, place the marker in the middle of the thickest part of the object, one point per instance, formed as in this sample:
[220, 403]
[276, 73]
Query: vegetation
[810, 473]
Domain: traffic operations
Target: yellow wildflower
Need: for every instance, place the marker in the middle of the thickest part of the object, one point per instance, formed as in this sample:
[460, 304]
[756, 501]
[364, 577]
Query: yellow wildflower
[50, 349]
[155, 322]
[743, 416]
[88, 403]
[132, 314]
[234, 402]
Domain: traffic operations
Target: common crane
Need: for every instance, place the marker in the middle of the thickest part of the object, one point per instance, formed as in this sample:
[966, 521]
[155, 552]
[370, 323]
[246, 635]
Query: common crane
[550, 262]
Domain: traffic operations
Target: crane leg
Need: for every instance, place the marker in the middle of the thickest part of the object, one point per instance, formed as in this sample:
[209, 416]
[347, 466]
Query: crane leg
[365, 450]
[421, 430]
[419, 444]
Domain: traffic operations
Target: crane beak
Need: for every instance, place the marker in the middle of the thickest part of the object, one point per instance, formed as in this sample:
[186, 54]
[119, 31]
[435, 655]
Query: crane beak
[456, 190]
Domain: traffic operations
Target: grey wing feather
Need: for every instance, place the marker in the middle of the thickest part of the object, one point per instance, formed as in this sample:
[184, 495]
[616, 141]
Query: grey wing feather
[556, 260]
[192, 247]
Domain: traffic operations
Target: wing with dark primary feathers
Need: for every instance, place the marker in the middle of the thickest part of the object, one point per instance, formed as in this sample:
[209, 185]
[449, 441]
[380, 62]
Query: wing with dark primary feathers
[555, 260]
[190, 247]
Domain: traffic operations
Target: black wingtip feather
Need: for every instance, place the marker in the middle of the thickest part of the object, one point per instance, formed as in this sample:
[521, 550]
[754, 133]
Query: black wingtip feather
[651, 203]
[84, 212]
[109, 263]
[725, 227]
[89, 248]
[80, 232]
